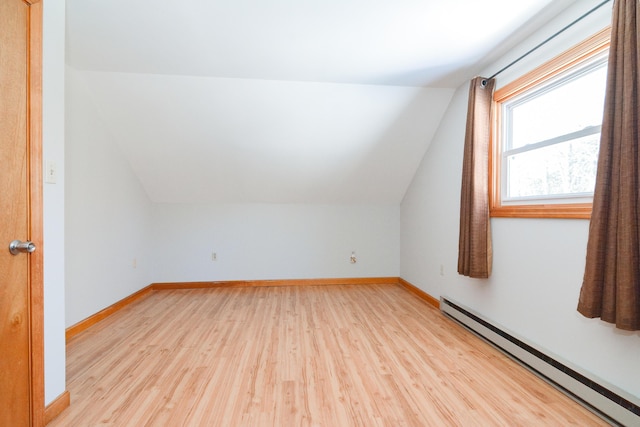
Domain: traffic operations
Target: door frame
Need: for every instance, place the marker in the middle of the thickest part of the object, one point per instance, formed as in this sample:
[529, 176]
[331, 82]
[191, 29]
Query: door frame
[35, 214]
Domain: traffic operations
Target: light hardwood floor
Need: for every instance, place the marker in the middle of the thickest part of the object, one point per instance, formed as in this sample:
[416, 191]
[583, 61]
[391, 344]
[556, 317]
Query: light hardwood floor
[362, 355]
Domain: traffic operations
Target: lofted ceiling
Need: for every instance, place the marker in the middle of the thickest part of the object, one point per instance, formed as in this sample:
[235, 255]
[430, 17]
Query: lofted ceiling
[282, 101]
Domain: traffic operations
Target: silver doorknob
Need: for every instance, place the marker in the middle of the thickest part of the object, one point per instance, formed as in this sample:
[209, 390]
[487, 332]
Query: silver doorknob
[17, 247]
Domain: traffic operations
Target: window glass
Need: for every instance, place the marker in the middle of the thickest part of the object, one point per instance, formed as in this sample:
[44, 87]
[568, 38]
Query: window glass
[551, 136]
[565, 169]
[565, 106]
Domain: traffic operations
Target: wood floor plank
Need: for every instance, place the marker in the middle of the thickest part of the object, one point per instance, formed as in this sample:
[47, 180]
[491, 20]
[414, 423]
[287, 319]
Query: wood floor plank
[362, 355]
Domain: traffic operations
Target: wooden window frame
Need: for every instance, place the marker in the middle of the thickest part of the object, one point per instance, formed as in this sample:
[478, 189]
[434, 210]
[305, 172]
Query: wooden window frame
[583, 51]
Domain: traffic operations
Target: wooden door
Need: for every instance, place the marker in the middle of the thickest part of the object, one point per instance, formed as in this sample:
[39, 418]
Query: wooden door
[21, 382]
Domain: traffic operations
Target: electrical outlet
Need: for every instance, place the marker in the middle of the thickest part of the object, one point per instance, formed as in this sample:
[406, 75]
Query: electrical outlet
[442, 269]
[214, 256]
[353, 259]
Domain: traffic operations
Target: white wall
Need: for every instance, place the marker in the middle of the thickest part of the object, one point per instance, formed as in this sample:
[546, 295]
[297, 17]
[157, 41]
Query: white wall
[53, 149]
[260, 241]
[538, 263]
[193, 139]
[108, 215]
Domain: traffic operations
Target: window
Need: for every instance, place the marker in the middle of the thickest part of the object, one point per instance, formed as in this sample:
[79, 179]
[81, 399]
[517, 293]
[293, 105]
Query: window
[547, 134]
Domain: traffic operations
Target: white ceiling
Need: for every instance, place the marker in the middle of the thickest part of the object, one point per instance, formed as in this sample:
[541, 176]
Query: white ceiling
[283, 101]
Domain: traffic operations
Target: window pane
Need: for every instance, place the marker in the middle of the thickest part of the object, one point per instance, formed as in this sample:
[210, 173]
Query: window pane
[560, 169]
[556, 111]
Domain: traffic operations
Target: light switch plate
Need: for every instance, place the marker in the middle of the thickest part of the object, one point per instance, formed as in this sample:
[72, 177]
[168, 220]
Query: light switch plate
[51, 172]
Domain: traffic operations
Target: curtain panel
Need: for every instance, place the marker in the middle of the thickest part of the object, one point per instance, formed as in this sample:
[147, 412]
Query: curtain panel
[474, 247]
[611, 284]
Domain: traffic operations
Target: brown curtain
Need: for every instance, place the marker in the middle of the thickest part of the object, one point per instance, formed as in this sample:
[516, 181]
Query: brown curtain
[611, 284]
[474, 247]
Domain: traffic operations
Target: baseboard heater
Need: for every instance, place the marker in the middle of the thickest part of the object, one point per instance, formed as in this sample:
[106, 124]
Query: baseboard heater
[593, 393]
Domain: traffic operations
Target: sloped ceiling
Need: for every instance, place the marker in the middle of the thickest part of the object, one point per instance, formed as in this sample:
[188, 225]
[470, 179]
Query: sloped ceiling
[282, 101]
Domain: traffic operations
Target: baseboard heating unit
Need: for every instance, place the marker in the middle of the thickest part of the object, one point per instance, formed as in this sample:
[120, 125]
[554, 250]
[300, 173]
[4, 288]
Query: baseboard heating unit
[617, 406]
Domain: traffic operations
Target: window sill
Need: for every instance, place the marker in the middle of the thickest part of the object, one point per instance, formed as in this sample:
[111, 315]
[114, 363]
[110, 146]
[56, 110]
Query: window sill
[570, 211]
